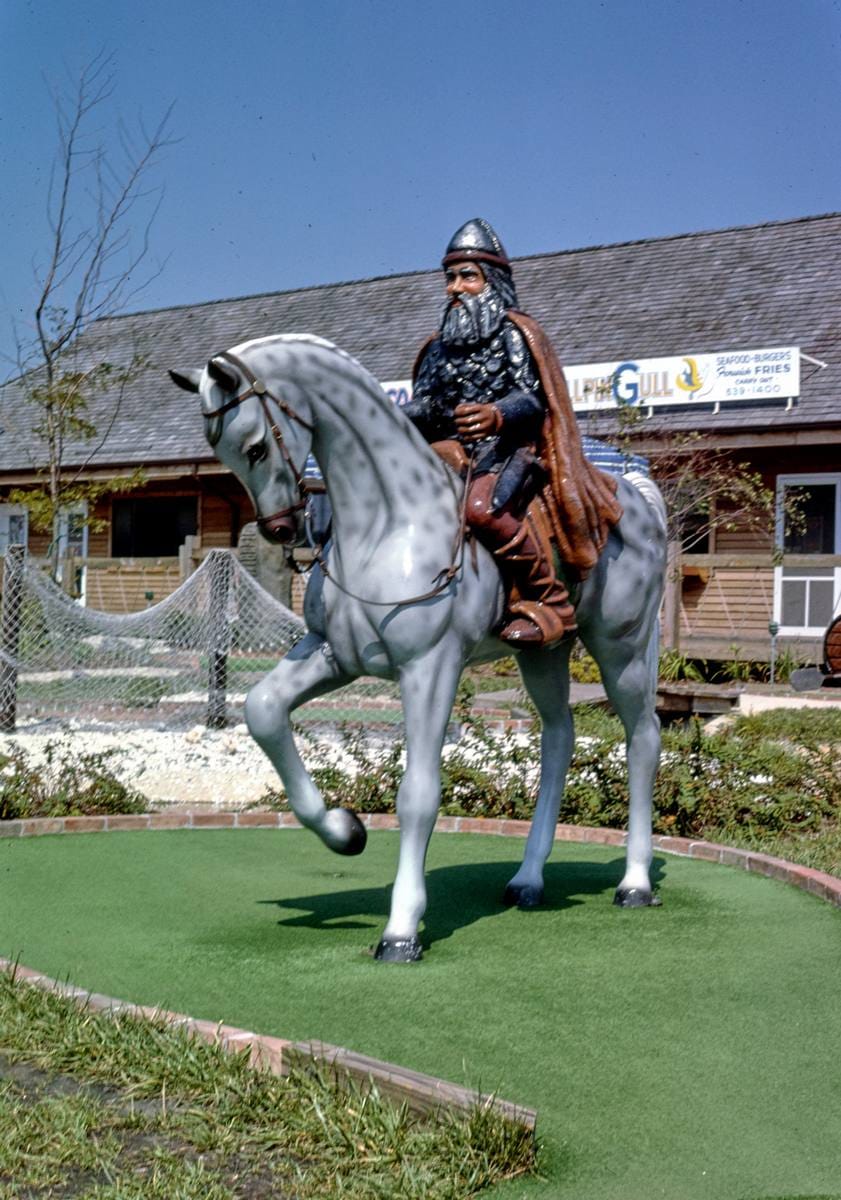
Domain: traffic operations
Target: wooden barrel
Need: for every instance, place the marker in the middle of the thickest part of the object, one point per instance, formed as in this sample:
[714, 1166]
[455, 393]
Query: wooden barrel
[832, 648]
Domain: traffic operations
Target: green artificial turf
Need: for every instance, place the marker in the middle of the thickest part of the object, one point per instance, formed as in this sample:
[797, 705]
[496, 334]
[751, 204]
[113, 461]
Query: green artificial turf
[687, 1051]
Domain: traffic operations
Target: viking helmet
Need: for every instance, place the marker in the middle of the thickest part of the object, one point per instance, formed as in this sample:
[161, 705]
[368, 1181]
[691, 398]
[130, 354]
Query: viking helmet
[476, 241]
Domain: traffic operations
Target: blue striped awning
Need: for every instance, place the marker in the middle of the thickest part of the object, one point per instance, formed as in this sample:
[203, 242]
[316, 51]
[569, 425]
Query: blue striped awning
[609, 459]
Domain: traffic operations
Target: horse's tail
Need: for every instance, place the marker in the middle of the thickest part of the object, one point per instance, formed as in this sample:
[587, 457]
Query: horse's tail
[650, 491]
[654, 497]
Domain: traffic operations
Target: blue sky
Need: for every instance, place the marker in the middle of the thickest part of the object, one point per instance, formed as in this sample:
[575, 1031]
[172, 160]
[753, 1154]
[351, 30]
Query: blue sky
[322, 140]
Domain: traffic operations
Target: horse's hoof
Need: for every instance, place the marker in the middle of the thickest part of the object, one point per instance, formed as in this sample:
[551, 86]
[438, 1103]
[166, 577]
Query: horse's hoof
[633, 897]
[399, 950]
[522, 895]
[344, 832]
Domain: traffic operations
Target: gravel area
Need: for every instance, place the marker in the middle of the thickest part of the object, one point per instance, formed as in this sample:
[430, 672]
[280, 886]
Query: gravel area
[196, 767]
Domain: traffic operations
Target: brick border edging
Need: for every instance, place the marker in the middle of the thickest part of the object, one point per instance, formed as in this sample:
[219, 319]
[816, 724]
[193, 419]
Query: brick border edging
[819, 883]
[422, 1093]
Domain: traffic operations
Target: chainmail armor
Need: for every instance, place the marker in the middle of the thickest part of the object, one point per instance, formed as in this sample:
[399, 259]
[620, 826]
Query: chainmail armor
[499, 371]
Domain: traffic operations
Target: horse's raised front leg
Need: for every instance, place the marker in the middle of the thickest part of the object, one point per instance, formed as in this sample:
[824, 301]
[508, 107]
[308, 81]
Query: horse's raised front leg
[428, 687]
[546, 677]
[307, 671]
[629, 675]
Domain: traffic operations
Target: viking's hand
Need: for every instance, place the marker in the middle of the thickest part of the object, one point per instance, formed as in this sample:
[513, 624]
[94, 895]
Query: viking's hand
[475, 421]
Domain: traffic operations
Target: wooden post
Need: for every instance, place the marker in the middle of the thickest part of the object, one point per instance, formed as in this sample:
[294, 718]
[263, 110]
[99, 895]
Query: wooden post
[68, 574]
[219, 564]
[10, 635]
[671, 598]
[186, 555]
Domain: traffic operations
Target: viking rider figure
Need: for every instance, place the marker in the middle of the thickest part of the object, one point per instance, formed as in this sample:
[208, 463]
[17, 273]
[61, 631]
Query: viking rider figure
[490, 395]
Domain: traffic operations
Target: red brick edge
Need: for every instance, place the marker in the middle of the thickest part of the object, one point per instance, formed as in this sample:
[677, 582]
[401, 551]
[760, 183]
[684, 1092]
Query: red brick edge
[819, 883]
[422, 1093]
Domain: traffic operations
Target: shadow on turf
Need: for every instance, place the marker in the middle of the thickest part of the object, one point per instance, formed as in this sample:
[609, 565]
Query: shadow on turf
[459, 895]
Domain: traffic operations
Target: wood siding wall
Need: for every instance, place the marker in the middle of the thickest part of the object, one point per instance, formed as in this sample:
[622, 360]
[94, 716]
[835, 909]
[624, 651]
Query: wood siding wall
[732, 604]
[121, 586]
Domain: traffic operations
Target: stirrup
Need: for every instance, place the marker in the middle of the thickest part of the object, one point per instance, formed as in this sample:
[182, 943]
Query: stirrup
[536, 624]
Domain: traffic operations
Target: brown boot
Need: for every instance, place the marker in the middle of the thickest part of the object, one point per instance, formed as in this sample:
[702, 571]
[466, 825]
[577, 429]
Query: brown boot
[539, 606]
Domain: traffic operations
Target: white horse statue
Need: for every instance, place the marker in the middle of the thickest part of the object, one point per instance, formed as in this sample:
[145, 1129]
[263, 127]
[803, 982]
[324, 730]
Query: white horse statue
[386, 605]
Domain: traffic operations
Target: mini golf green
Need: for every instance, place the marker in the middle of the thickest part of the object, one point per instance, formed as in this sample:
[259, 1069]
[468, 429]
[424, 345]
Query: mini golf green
[687, 1051]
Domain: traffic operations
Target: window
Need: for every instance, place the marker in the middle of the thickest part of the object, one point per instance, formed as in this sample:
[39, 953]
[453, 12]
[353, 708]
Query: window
[806, 596]
[153, 527]
[14, 525]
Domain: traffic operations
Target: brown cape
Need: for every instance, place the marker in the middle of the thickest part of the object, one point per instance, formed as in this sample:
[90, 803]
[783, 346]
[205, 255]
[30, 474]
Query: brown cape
[580, 500]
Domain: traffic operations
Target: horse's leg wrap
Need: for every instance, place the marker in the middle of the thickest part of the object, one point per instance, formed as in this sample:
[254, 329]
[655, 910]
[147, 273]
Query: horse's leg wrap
[538, 601]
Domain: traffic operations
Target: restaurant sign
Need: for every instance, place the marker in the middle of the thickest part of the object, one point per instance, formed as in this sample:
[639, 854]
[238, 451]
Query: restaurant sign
[691, 379]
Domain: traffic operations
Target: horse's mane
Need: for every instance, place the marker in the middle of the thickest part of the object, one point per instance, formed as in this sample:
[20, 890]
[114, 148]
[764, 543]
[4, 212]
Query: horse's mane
[361, 376]
[310, 339]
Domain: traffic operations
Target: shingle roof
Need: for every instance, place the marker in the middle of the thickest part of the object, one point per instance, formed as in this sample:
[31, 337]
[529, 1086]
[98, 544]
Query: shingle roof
[776, 284]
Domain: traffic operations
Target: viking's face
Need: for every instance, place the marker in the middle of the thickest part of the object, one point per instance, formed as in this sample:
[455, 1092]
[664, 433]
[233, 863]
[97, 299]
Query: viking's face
[464, 278]
[475, 309]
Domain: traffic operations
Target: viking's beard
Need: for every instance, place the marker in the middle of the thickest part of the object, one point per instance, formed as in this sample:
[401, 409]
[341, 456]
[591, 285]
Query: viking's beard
[473, 319]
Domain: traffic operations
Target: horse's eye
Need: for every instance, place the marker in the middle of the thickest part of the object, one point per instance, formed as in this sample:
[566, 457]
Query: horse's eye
[256, 453]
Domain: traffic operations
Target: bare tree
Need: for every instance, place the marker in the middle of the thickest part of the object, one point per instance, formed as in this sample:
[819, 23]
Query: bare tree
[705, 488]
[101, 206]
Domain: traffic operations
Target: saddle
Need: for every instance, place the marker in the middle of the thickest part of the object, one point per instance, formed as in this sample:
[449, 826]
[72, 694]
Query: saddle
[536, 516]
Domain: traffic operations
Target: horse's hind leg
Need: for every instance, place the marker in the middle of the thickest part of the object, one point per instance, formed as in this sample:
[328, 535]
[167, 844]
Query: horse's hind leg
[308, 670]
[546, 677]
[629, 675]
[428, 688]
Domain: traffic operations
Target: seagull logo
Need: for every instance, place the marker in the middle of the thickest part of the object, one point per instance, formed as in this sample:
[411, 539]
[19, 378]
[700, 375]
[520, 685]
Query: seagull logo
[689, 380]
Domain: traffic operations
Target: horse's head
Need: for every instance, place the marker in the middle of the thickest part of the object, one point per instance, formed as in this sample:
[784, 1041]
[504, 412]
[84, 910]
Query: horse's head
[257, 434]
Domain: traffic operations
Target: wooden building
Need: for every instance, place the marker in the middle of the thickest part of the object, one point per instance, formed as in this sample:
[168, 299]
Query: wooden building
[732, 335]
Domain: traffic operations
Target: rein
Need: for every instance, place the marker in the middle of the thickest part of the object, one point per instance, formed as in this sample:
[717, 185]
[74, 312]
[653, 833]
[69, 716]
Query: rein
[444, 577]
[256, 387]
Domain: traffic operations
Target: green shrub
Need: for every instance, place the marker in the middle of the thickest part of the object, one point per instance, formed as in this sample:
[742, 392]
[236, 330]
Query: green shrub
[675, 666]
[64, 783]
[583, 667]
[744, 779]
[727, 781]
[807, 727]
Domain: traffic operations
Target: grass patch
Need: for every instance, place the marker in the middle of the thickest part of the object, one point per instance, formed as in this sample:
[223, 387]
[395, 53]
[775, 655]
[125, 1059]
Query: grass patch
[687, 1044]
[183, 1119]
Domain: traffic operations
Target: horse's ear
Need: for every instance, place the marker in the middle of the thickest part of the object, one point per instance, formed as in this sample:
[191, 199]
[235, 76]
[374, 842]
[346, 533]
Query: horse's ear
[188, 380]
[226, 378]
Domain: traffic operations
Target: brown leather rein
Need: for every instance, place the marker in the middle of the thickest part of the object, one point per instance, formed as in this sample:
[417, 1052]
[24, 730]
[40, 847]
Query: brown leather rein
[256, 387]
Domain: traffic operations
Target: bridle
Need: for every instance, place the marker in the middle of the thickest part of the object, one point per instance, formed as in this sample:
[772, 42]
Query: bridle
[257, 388]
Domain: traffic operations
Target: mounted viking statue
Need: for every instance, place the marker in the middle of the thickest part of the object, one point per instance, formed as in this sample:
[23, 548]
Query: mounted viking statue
[399, 597]
[490, 396]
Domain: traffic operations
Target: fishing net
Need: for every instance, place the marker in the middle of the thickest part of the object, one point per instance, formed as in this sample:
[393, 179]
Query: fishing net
[190, 658]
